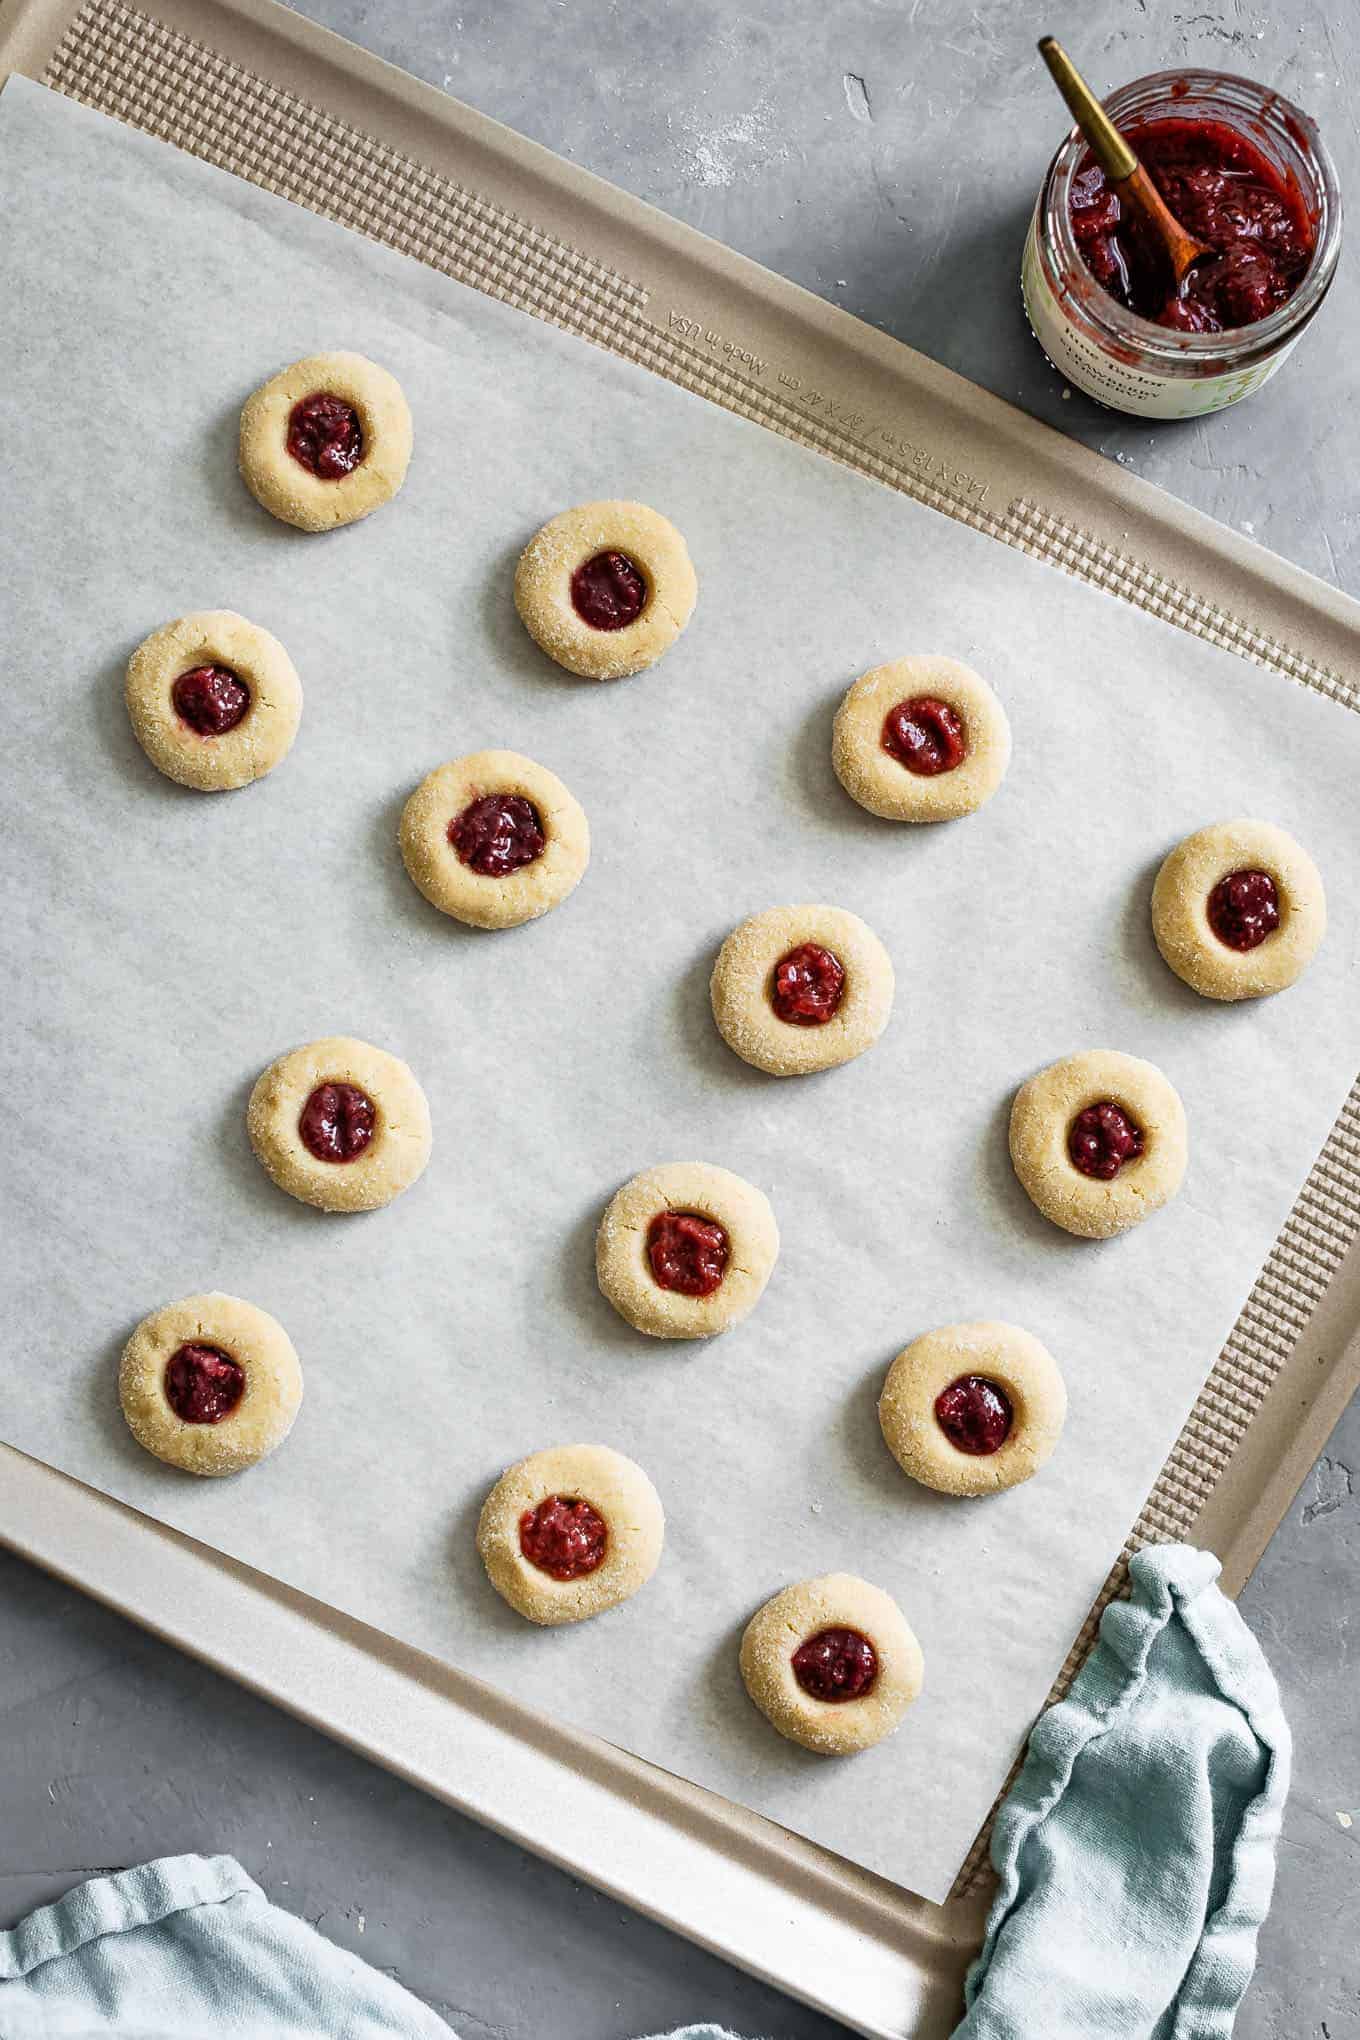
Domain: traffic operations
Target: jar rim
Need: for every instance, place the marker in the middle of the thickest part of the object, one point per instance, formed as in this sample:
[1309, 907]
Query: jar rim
[1274, 119]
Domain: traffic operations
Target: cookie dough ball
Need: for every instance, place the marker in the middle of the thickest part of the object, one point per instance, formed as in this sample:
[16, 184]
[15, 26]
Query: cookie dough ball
[340, 1125]
[970, 1409]
[210, 1384]
[214, 701]
[798, 989]
[605, 589]
[494, 839]
[832, 1664]
[685, 1250]
[570, 1532]
[1238, 910]
[1099, 1142]
[921, 740]
[326, 441]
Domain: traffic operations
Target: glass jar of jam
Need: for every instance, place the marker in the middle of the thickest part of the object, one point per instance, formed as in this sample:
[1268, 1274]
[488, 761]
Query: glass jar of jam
[1244, 171]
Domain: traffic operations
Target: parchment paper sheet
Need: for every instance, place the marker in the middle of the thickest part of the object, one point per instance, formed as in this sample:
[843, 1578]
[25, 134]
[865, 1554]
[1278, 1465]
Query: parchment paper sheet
[160, 947]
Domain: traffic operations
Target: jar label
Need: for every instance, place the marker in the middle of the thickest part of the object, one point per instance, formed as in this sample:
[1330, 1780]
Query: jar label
[1121, 385]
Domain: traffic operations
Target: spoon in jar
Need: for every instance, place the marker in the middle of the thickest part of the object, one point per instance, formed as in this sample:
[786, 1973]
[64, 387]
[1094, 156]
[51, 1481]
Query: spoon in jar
[1130, 177]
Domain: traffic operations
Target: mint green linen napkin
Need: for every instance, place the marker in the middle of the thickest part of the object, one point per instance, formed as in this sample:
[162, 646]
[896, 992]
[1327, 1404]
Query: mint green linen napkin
[184, 1948]
[1136, 1850]
[190, 1946]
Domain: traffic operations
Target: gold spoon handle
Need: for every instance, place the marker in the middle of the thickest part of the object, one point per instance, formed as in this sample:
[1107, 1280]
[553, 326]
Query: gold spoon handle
[1108, 146]
[1179, 249]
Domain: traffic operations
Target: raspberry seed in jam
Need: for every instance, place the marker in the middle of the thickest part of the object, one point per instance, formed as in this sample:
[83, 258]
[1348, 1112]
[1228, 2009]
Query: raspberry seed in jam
[338, 1122]
[1243, 909]
[975, 1414]
[210, 699]
[925, 735]
[325, 436]
[1102, 1138]
[203, 1384]
[836, 1664]
[497, 833]
[807, 986]
[564, 1536]
[687, 1253]
[609, 591]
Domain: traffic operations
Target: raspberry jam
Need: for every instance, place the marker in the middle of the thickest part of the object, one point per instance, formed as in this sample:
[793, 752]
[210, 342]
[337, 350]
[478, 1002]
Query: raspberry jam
[337, 1122]
[687, 1253]
[807, 986]
[1225, 192]
[1102, 1138]
[203, 1384]
[975, 1414]
[325, 436]
[1243, 909]
[609, 591]
[836, 1664]
[925, 735]
[564, 1536]
[497, 833]
[210, 699]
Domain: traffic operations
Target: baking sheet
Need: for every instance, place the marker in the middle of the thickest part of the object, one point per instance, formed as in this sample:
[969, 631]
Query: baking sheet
[162, 947]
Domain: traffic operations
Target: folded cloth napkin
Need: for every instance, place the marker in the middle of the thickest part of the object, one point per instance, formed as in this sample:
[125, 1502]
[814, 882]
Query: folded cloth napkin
[187, 1947]
[190, 1946]
[1135, 1852]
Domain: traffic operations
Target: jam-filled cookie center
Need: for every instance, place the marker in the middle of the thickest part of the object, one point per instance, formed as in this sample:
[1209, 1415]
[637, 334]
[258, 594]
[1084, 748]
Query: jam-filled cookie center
[210, 700]
[807, 986]
[1244, 908]
[975, 1414]
[609, 591]
[926, 735]
[338, 1122]
[325, 436]
[836, 1664]
[1102, 1138]
[687, 1252]
[203, 1384]
[564, 1536]
[497, 833]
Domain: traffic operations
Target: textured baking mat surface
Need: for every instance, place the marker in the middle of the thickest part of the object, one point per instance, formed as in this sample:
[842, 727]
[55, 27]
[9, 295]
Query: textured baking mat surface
[163, 947]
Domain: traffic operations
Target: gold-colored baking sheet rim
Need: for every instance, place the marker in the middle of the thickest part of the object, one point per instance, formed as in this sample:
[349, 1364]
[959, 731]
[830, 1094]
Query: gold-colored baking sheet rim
[258, 91]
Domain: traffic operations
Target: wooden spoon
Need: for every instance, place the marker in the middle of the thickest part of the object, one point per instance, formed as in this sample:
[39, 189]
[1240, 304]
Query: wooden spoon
[1122, 167]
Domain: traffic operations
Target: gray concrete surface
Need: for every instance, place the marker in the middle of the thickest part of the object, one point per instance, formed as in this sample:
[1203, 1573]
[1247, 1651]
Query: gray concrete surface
[884, 153]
